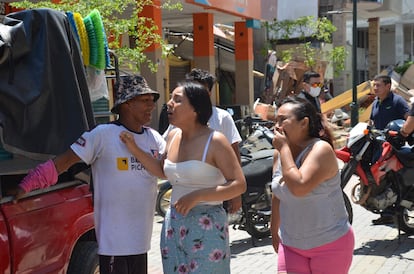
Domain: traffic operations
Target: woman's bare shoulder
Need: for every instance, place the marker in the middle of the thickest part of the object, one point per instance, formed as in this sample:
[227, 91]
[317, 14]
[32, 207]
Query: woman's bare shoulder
[322, 145]
[173, 132]
[321, 151]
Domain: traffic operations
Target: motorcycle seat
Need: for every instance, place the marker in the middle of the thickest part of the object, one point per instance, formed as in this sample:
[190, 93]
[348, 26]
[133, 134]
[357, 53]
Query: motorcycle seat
[405, 155]
[257, 155]
[258, 172]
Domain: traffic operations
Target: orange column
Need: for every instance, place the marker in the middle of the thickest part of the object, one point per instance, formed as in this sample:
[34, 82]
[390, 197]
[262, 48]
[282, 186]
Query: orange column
[203, 34]
[243, 44]
[9, 9]
[204, 46]
[154, 53]
[153, 12]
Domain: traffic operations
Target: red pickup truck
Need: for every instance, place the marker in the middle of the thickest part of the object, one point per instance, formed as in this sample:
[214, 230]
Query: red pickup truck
[49, 230]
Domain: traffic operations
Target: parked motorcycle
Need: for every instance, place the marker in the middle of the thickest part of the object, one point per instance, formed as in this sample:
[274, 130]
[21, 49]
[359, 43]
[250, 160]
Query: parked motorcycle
[257, 161]
[384, 163]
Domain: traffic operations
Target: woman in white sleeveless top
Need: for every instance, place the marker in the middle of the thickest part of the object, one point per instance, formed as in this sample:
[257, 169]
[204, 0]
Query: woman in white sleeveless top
[204, 172]
[310, 228]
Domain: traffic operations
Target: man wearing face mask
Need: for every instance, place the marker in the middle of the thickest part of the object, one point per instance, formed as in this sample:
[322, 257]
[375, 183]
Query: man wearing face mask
[311, 88]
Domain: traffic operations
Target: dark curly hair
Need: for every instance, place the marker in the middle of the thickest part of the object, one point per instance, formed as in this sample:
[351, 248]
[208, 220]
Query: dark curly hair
[202, 76]
[318, 126]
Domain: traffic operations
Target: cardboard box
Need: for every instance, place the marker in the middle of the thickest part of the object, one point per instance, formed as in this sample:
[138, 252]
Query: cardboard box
[407, 80]
[265, 111]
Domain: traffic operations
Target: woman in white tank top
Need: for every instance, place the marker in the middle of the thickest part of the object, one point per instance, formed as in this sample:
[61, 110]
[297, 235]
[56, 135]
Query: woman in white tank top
[204, 172]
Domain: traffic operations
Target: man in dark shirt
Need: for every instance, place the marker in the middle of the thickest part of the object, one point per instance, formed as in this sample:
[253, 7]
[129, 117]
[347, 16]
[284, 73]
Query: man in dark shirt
[408, 126]
[386, 107]
[311, 88]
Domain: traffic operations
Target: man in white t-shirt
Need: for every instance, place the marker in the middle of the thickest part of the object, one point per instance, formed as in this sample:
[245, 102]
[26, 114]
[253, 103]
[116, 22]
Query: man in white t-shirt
[221, 121]
[124, 192]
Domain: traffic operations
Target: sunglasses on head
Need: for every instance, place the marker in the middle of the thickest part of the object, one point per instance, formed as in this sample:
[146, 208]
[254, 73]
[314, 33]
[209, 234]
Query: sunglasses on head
[316, 84]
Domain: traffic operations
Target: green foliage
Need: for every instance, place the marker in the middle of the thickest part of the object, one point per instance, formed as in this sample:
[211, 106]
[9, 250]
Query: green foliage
[119, 17]
[286, 55]
[306, 29]
[309, 53]
[303, 27]
[337, 55]
[403, 68]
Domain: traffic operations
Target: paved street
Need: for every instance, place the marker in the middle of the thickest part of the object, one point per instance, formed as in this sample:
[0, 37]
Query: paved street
[377, 249]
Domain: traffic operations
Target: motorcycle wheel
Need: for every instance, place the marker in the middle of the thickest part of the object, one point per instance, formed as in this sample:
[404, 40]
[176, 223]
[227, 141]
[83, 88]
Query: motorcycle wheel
[163, 201]
[348, 207]
[258, 226]
[406, 220]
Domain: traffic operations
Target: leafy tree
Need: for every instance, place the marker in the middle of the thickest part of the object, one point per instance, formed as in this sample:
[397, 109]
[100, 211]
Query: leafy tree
[119, 17]
[401, 69]
[306, 30]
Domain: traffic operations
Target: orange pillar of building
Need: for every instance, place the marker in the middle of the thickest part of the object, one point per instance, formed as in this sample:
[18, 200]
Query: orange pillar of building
[154, 53]
[243, 45]
[7, 8]
[203, 50]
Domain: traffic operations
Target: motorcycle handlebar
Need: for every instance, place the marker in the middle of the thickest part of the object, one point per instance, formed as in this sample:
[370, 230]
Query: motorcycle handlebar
[268, 134]
[251, 121]
[374, 131]
[386, 132]
[394, 137]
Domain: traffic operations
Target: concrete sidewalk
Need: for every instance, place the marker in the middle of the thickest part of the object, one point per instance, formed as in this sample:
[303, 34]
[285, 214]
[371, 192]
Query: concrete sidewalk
[378, 250]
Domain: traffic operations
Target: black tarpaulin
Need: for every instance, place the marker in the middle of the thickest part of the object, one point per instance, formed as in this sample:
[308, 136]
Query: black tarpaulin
[44, 98]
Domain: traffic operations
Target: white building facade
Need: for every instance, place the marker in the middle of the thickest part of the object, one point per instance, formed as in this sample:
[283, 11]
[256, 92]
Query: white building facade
[385, 33]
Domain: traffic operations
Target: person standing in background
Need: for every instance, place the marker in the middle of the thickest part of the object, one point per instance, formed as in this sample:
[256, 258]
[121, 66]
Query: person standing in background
[311, 88]
[408, 126]
[163, 120]
[325, 95]
[387, 106]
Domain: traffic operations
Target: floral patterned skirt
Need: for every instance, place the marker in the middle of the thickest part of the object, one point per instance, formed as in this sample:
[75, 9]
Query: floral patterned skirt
[196, 243]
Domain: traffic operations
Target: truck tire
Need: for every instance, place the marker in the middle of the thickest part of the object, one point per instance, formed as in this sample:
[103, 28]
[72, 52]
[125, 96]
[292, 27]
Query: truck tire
[84, 259]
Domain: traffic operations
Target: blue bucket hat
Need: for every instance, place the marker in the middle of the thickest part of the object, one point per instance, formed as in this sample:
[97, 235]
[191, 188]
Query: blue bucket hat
[129, 87]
